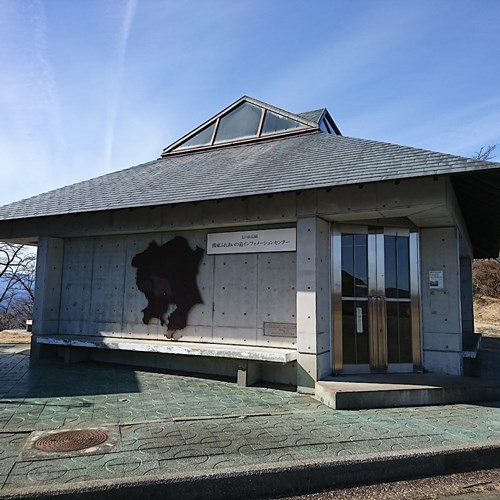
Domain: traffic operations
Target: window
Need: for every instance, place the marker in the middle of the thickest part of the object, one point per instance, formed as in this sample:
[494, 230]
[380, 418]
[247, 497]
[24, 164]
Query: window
[242, 122]
[202, 138]
[277, 123]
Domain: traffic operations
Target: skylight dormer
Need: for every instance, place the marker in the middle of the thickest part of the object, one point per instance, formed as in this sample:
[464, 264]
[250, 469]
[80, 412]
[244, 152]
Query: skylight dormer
[246, 119]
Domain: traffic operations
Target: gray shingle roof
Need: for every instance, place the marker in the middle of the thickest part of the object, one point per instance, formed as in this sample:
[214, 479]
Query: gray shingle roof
[304, 161]
[314, 116]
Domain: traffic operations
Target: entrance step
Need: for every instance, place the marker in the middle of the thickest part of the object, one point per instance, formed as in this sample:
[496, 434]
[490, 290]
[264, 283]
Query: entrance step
[357, 392]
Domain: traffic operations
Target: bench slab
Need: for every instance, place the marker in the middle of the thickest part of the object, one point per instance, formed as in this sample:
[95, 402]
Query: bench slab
[253, 353]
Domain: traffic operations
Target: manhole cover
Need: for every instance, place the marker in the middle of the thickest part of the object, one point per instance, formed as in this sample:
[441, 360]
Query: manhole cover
[71, 440]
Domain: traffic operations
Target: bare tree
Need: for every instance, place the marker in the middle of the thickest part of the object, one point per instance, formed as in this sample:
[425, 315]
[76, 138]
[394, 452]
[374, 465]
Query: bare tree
[485, 153]
[17, 284]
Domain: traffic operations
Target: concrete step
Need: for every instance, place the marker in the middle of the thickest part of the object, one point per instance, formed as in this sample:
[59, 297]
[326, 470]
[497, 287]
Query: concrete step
[357, 392]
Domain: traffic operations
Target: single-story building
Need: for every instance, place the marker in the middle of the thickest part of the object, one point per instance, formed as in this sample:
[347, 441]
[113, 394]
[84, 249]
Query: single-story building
[264, 244]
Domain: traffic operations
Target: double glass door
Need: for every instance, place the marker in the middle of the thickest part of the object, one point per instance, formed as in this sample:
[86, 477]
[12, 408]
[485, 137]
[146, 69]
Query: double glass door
[375, 300]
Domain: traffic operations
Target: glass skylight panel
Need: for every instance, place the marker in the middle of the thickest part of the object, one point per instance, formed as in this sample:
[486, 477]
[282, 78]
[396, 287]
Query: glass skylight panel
[245, 121]
[276, 123]
[241, 122]
[202, 138]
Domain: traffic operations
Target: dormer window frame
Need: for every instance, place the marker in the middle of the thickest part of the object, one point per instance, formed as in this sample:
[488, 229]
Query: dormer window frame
[305, 126]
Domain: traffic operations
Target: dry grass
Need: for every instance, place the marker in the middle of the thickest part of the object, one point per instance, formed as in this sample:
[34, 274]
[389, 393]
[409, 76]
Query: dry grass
[487, 315]
[15, 337]
[486, 278]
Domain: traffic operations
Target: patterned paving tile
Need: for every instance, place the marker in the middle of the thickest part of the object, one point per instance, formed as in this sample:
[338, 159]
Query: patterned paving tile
[172, 423]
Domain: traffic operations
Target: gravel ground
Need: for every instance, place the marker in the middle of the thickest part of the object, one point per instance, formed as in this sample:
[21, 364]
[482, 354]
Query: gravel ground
[470, 485]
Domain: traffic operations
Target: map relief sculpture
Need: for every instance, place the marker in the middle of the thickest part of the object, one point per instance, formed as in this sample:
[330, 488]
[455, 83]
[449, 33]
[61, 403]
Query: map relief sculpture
[166, 275]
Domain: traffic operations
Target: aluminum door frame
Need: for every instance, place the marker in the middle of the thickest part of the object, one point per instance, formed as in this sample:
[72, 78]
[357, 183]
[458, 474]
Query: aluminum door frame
[376, 300]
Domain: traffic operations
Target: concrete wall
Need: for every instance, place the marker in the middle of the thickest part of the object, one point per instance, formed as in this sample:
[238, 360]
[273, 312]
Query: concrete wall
[425, 202]
[86, 284]
[313, 302]
[99, 295]
[49, 269]
[441, 309]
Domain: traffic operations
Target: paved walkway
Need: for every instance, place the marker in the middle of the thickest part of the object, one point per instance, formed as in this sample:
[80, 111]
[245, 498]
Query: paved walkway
[162, 425]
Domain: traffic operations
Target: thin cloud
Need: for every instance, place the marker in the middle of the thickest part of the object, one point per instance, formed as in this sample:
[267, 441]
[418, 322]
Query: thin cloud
[32, 140]
[43, 73]
[117, 80]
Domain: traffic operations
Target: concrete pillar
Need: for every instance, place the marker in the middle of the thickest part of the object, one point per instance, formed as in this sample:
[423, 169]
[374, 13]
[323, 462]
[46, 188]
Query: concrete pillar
[466, 296]
[441, 306]
[49, 268]
[313, 302]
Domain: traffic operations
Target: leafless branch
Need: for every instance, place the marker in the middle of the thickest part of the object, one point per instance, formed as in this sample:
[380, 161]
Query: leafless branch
[485, 153]
[17, 283]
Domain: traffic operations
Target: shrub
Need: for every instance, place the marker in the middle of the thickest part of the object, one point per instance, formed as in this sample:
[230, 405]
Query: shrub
[486, 277]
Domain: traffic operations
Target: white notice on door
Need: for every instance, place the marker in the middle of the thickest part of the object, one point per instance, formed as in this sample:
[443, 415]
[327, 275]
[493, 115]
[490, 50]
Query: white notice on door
[359, 320]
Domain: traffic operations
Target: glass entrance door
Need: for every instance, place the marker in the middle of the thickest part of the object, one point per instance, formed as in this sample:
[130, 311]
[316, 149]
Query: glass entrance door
[375, 300]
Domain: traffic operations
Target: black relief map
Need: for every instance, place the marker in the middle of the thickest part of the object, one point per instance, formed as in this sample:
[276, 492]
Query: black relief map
[166, 275]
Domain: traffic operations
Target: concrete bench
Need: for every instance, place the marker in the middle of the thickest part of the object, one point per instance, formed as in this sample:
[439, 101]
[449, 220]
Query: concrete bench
[248, 356]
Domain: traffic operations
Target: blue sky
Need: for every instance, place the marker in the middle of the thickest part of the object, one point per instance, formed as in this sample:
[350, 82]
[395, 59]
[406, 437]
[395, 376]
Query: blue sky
[92, 86]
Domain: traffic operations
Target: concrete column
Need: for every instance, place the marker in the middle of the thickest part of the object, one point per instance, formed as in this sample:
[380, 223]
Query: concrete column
[313, 302]
[466, 295]
[441, 308]
[49, 268]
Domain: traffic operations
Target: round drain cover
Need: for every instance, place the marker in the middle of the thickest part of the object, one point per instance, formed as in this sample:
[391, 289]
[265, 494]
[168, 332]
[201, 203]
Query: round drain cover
[71, 440]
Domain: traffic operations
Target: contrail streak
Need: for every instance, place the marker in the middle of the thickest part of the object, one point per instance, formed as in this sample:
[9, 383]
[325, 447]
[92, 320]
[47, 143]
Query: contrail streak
[117, 80]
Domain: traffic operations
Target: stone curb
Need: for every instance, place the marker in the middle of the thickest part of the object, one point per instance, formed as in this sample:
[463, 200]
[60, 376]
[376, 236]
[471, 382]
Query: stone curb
[285, 478]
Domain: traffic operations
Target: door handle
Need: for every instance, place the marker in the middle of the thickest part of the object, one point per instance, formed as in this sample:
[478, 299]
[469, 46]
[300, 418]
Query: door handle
[378, 331]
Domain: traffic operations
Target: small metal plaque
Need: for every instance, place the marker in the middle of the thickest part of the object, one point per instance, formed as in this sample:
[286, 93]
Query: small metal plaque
[280, 329]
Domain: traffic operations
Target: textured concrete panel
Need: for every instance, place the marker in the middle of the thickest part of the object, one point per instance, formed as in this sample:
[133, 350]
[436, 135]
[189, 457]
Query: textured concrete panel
[234, 335]
[407, 196]
[193, 333]
[323, 298]
[466, 296]
[279, 207]
[151, 331]
[134, 299]
[313, 295]
[271, 341]
[442, 342]
[80, 327]
[185, 215]
[443, 362]
[276, 294]
[229, 211]
[324, 365]
[105, 329]
[138, 219]
[76, 286]
[108, 278]
[307, 369]
[441, 309]
[235, 291]
[202, 314]
[49, 271]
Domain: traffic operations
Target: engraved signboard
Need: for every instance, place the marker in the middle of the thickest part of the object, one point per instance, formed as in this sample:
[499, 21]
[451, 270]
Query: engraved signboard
[264, 240]
[280, 329]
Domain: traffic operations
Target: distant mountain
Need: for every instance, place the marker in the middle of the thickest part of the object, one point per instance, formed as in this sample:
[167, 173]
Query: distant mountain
[19, 290]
